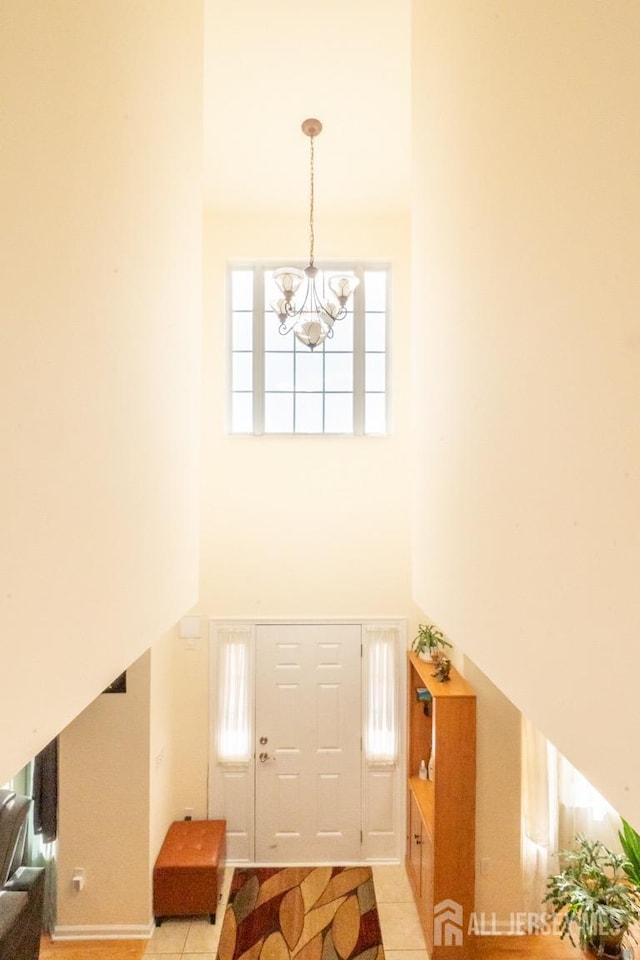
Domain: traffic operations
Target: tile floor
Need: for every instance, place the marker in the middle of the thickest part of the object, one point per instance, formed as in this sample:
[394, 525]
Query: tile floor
[401, 931]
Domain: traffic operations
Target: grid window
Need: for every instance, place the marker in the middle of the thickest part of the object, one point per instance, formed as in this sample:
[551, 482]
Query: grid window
[279, 385]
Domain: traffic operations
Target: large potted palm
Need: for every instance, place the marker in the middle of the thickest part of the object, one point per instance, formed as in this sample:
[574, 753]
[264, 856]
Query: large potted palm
[594, 899]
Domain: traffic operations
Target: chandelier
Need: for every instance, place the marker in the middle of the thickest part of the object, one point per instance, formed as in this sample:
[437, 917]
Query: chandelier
[312, 316]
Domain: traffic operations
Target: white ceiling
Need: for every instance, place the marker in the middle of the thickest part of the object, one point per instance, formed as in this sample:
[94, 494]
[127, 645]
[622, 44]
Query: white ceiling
[271, 64]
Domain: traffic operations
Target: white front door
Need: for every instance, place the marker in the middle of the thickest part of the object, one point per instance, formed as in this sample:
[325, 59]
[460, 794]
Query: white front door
[308, 743]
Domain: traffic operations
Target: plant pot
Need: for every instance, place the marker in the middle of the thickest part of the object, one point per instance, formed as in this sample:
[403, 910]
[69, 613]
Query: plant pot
[426, 656]
[611, 947]
[625, 954]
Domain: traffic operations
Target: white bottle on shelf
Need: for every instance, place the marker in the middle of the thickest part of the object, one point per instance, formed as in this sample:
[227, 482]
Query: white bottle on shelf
[432, 765]
[422, 772]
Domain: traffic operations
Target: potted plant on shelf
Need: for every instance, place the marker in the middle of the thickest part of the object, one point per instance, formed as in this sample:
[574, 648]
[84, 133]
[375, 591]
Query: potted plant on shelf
[594, 900]
[428, 641]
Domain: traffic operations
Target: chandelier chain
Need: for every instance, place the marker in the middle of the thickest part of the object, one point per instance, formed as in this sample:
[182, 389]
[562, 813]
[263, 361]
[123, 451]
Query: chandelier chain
[312, 316]
[311, 233]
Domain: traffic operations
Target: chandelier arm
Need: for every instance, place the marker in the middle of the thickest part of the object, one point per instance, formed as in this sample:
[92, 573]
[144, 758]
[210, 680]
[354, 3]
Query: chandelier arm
[309, 295]
[287, 325]
[338, 315]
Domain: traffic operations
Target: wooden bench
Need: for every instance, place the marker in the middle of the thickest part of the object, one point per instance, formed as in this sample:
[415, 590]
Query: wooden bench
[187, 876]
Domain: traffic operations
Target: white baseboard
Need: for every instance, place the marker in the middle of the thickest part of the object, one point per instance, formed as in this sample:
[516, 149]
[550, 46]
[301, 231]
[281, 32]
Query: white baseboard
[125, 931]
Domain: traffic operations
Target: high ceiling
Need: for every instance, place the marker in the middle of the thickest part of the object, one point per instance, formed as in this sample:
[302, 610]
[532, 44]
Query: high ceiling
[269, 64]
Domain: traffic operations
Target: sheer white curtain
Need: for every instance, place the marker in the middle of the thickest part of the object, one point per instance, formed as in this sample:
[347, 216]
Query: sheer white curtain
[539, 815]
[234, 710]
[557, 803]
[581, 809]
[381, 724]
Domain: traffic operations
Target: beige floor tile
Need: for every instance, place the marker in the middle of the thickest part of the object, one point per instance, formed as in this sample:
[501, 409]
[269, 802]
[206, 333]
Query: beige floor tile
[392, 884]
[198, 956]
[400, 927]
[228, 874]
[203, 936]
[169, 938]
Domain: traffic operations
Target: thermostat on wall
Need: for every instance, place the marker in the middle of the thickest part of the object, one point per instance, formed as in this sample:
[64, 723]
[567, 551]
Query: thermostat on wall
[189, 628]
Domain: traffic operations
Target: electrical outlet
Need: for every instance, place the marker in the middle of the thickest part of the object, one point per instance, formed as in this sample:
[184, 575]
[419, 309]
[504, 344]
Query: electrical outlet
[188, 813]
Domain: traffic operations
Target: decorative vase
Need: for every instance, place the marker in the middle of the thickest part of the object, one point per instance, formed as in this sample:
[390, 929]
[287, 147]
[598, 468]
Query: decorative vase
[442, 669]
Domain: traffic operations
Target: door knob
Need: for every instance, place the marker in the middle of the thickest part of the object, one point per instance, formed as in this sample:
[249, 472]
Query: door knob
[263, 757]
[264, 740]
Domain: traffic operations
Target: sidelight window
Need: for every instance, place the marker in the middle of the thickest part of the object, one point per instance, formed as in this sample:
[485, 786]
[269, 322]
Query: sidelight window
[234, 713]
[381, 728]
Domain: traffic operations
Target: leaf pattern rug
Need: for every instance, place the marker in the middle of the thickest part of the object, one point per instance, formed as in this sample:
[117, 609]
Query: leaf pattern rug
[301, 913]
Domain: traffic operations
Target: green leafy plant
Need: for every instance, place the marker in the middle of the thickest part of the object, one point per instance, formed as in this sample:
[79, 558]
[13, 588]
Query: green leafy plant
[630, 841]
[593, 898]
[429, 639]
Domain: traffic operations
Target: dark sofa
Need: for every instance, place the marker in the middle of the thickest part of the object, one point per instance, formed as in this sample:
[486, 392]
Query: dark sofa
[21, 888]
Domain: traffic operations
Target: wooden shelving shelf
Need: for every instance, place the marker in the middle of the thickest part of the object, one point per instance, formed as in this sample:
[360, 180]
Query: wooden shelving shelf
[441, 812]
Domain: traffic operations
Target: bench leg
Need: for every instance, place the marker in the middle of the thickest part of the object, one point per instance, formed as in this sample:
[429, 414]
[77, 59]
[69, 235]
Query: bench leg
[159, 921]
[212, 917]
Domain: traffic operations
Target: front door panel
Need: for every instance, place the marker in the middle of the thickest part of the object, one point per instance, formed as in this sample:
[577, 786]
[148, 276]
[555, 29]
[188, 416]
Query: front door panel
[308, 743]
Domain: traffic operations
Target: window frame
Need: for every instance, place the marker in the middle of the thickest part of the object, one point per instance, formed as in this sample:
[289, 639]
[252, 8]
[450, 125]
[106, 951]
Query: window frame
[359, 352]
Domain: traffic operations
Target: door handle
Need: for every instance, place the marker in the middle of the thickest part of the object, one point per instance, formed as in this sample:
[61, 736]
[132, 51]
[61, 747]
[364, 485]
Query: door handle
[263, 757]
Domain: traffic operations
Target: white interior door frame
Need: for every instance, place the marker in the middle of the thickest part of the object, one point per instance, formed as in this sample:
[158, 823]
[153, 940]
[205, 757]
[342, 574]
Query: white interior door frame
[232, 783]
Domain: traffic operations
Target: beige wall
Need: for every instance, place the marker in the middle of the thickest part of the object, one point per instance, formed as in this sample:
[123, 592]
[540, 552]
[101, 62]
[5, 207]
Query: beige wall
[100, 184]
[525, 350]
[123, 765]
[105, 810]
[164, 755]
[499, 891]
[191, 711]
[526, 232]
[296, 526]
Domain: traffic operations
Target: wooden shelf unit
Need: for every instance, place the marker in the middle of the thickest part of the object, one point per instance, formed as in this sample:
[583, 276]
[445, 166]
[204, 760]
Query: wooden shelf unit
[441, 813]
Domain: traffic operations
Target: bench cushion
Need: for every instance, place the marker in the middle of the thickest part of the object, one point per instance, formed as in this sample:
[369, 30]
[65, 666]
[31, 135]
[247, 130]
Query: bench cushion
[187, 876]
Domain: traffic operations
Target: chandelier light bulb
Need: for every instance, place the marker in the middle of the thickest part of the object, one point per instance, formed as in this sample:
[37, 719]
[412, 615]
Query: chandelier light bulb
[343, 287]
[288, 280]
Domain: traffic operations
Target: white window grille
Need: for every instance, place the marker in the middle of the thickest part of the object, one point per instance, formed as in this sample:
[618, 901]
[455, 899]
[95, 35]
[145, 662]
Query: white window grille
[279, 386]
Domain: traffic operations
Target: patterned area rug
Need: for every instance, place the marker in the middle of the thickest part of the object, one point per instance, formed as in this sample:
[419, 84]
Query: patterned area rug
[306, 913]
